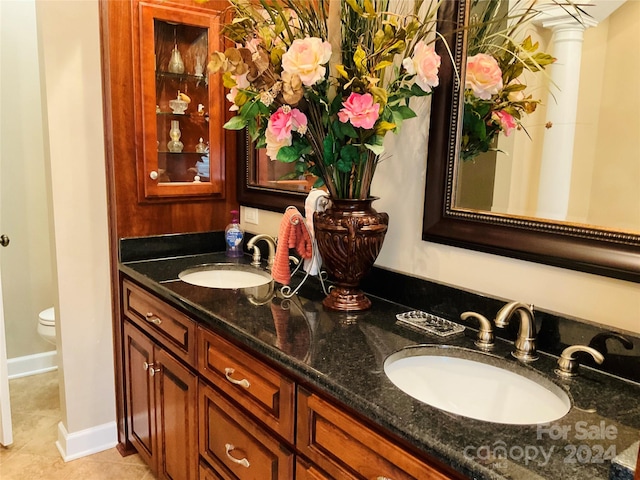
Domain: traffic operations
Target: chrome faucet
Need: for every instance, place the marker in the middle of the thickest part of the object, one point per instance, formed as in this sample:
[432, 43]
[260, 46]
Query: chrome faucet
[271, 242]
[568, 364]
[526, 342]
[485, 339]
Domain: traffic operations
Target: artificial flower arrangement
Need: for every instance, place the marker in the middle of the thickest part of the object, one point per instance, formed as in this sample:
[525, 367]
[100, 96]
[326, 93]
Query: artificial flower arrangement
[495, 98]
[324, 100]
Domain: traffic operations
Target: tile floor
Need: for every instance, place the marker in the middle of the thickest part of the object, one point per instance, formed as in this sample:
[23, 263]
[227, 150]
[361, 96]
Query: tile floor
[35, 413]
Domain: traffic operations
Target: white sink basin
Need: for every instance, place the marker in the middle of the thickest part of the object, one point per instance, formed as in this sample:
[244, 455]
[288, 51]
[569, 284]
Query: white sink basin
[471, 384]
[226, 276]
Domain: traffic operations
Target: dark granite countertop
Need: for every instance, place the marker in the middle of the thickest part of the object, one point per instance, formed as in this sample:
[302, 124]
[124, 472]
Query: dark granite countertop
[342, 355]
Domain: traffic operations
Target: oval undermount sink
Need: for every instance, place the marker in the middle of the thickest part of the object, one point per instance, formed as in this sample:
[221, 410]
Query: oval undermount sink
[225, 276]
[474, 385]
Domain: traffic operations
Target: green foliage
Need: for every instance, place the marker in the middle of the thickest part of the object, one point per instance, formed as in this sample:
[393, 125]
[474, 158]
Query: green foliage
[374, 40]
[495, 28]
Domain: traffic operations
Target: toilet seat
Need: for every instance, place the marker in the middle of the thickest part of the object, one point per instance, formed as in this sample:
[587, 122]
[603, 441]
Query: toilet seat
[47, 317]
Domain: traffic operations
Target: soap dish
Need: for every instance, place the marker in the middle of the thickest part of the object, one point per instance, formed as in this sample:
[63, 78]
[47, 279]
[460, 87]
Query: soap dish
[428, 323]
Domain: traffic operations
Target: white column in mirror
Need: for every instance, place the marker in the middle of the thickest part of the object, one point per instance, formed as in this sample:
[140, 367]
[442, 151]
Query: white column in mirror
[557, 152]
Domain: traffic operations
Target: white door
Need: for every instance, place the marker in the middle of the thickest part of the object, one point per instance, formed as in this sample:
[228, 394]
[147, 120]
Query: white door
[6, 434]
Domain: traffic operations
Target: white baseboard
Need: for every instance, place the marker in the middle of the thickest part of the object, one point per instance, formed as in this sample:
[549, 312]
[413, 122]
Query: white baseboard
[32, 364]
[86, 442]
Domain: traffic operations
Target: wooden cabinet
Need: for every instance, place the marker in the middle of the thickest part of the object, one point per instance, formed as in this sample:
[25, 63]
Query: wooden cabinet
[202, 407]
[346, 448]
[161, 400]
[180, 108]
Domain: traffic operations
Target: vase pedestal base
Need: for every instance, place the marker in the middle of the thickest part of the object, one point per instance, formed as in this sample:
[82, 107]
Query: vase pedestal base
[346, 299]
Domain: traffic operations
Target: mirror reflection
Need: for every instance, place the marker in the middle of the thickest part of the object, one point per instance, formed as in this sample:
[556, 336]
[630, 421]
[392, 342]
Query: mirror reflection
[270, 174]
[577, 158]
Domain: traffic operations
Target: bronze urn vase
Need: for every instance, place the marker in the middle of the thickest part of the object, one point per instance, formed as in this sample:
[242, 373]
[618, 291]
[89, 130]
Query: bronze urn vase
[349, 235]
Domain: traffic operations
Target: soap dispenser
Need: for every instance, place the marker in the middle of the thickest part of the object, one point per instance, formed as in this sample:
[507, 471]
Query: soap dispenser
[233, 236]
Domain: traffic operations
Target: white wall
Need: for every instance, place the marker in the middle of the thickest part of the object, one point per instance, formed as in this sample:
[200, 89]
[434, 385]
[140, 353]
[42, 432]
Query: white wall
[26, 262]
[399, 182]
[69, 41]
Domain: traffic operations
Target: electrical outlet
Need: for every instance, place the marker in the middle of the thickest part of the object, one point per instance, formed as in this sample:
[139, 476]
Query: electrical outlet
[251, 215]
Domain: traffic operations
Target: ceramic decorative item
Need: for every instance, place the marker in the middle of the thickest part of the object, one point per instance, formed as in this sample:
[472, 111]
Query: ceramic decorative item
[176, 65]
[178, 105]
[350, 234]
[199, 67]
[201, 147]
[175, 145]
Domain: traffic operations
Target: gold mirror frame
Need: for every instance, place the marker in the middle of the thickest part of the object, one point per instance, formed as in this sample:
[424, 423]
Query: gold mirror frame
[576, 247]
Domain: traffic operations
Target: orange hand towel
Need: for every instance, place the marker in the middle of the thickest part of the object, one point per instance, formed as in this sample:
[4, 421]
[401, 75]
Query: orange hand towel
[292, 234]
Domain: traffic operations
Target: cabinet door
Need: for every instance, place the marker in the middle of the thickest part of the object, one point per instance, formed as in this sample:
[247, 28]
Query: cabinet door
[181, 109]
[140, 393]
[176, 418]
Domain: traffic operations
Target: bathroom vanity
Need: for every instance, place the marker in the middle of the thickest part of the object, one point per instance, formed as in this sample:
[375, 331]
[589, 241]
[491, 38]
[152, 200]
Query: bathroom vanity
[243, 383]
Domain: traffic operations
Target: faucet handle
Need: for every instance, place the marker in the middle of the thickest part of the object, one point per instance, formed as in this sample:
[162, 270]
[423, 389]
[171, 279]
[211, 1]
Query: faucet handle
[485, 339]
[568, 364]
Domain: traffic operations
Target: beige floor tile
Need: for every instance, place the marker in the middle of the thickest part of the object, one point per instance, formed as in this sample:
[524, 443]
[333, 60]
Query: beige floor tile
[31, 467]
[113, 456]
[35, 413]
[87, 469]
[36, 393]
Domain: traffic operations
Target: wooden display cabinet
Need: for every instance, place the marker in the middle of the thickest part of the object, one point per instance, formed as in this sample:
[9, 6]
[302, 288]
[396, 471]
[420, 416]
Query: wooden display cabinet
[180, 108]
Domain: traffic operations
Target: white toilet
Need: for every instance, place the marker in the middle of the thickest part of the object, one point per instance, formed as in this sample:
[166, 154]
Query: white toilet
[47, 325]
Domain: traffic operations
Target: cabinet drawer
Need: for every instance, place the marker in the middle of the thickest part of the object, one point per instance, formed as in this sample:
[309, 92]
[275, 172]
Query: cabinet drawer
[235, 446]
[335, 441]
[173, 329]
[207, 473]
[305, 471]
[261, 390]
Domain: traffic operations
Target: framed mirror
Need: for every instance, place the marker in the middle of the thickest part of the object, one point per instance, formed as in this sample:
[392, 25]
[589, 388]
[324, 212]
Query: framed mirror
[580, 244]
[267, 184]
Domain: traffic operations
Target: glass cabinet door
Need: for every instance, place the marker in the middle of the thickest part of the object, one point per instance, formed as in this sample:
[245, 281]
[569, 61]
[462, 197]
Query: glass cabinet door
[181, 108]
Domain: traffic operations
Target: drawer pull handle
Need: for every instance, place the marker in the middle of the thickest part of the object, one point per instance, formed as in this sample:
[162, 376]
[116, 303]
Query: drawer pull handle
[243, 461]
[152, 318]
[244, 383]
[149, 367]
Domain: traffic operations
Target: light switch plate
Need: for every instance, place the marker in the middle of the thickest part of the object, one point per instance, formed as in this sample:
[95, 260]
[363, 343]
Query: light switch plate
[251, 215]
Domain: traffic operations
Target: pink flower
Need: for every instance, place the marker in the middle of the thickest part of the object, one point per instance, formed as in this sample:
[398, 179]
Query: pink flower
[279, 130]
[285, 120]
[305, 58]
[505, 120]
[359, 110]
[425, 64]
[484, 76]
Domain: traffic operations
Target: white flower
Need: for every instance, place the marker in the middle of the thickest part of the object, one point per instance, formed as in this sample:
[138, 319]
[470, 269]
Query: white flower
[274, 145]
[305, 58]
[425, 64]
